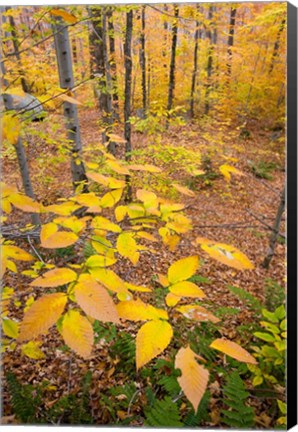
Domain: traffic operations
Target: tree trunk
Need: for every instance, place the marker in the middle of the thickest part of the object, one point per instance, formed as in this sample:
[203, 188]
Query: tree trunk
[173, 60]
[20, 150]
[165, 40]
[112, 61]
[143, 62]
[276, 45]
[127, 94]
[15, 43]
[107, 101]
[63, 54]
[231, 39]
[275, 232]
[210, 36]
[195, 68]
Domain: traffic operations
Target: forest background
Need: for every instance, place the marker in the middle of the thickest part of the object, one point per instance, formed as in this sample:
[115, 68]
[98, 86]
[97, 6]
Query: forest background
[171, 212]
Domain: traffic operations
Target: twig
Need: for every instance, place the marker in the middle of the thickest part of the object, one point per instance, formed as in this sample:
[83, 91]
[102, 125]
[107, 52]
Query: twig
[132, 399]
[35, 251]
[265, 224]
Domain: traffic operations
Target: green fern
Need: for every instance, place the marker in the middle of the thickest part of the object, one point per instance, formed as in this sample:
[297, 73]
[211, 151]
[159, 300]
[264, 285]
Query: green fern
[164, 413]
[25, 399]
[248, 298]
[88, 250]
[238, 415]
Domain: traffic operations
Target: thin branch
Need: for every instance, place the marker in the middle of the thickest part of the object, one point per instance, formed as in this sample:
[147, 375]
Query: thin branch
[35, 251]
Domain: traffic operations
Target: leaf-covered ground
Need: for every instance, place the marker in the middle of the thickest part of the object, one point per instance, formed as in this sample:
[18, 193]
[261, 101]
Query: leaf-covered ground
[236, 213]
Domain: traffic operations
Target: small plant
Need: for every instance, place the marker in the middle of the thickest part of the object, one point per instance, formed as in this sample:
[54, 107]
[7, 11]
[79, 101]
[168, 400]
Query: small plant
[263, 169]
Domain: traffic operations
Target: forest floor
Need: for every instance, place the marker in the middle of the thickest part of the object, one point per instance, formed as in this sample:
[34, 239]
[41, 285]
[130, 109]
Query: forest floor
[236, 212]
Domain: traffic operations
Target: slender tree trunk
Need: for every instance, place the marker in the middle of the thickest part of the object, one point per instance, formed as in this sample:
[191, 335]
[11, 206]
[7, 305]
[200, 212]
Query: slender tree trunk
[165, 40]
[20, 150]
[127, 94]
[195, 68]
[113, 66]
[148, 84]
[275, 232]
[107, 101]
[231, 39]
[143, 62]
[276, 45]
[63, 53]
[209, 35]
[173, 60]
[15, 43]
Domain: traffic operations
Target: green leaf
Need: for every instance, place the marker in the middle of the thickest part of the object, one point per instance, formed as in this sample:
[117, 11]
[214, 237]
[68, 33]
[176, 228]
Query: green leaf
[265, 336]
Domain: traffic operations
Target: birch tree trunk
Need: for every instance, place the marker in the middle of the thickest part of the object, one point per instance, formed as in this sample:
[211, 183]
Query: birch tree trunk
[275, 232]
[231, 39]
[20, 150]
[63, 54]
[173, 60]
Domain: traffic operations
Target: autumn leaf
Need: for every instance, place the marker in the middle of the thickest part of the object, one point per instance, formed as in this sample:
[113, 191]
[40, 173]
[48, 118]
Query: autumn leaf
[56, 277]
[66, 98]
[184, 190]
[100, 261]
[11, 127]
[77, 333]
[10, 328]
[68, 17]
[109, 279]
[183, 269]
[234, 350]
[127, 247]
[227, 169]
[137, 288]
[60, 239]
[25, 203]
[194, 377]
[186, 289]
[146, 167]
[226, 254]
[94, 300]
[31, 349]
[115, 166]
[172, 299]
[152, 339]
[99, 222]
[15, 252]
[43, 313]
[197, 313]
[136, 310]
[111, 198]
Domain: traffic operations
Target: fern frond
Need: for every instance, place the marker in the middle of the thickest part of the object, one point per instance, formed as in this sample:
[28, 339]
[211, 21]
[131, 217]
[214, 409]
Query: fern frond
[239, 415]
[248, 298]
[163, 413]
[196, 419]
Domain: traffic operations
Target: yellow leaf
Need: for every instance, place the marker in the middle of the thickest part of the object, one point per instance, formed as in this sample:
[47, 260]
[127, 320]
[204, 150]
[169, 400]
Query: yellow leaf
[147, 236]
[60, 239]
[115, 166]
[47, 230]
[32, 350]
[77, 333]
[11, 128]
[168, 239]
[15, 252]
[65, 97]
[194, 377]
[94, 300]
[137, 288]
[11, 266]
[184, 190]
[163, 280]
[186, 289]
[167, 207]
[120, 213]
[43, 313]
[64, 209]
[87, 199]
[146, 196]
[10, 328]
[100, 261]
[72, 222]
[197, 313]
[234, 350]
[116, 138]
[146, 167]
[152, 339]
[111, 198]
[65, 15]
[227, 254]
[103, 223]
[172, 299]
[227, 169]
[6, 207]
[103, 246]
[109, 279]
[127, 247]
[25, 203]
[135, 211]
[183, 269]
[179, 223]
[136, 310]
[55, 278]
